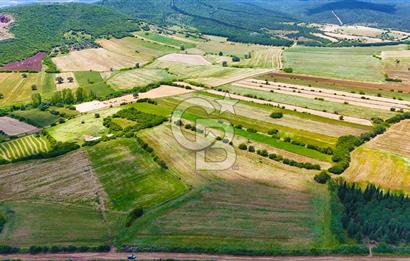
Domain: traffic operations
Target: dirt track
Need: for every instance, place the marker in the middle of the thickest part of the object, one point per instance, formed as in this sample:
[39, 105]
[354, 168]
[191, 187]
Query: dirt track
[346, 83]
[185, 256]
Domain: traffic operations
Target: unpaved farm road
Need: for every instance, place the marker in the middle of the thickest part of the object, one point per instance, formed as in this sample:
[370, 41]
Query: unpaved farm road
[187, 256]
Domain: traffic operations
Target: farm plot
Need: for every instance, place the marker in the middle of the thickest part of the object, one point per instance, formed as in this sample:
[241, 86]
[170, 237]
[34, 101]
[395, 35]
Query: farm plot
[138, 77]
[165, 40]
[347, 63]
[95, 59]
[268, 58]
[92, 81]
[385, 160]
[23, 147]
[387, 90]
[69, 81]
[218, 215]
[357, 114]
[40, 224]
[328, 95]
[191, 59]
[18, 87]
[36, 117]
[130, 176]
[33, 63]
[68, 178]
[13, 127]
[144, 51]
[211, 75]
[75, 130]
[397, 64]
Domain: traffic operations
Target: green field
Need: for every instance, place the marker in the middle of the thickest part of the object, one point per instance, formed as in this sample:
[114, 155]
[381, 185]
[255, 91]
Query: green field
[130, 176]
[343, 109]
[36, 117]
[35, 223]
[76, 129]
[92, 81]
[138, 78]
[23, 147]
[354, 63]
[17, 89]
[166, 40]
[253, 209]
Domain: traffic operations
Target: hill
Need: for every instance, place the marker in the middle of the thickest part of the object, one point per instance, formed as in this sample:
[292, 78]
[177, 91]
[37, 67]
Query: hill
[42, 27]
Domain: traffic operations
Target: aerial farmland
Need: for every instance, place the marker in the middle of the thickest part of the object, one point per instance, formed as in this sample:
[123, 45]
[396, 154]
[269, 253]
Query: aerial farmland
[248, 130]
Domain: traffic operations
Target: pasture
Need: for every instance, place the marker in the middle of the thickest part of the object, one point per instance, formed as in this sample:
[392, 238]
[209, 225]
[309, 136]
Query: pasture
[75, 130]
[23, 147]
[138, 77]
[92, 81]
[165, 40]
[36, 117]
[130, 176]
[242, 209]
[355, 63]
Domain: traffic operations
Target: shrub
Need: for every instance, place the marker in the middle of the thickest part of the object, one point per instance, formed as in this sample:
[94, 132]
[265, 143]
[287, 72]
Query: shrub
[251, 149]
[322, 178]
[243, 146]
[134, 215]
[276, 115]
[288, 70]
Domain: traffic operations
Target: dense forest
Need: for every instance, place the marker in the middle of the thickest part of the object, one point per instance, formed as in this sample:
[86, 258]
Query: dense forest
[374, 214]
[42, 27]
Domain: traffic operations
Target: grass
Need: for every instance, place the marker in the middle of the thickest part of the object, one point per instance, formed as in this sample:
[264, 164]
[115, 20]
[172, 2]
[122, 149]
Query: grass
[343, 109]
[92, 81]
[17, 89]
[23, 147]
[76, 129]
[166, 40]
[246, 210]
[36, 117]
[138, 78]
[35, 223]
[348, 63]
[130, 176]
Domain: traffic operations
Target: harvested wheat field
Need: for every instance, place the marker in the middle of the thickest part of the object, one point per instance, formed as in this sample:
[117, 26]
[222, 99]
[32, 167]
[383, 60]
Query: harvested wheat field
[138, 77]
[185, 58]
[66, 179]
[96, 59]
[163, 91]
[69, 81]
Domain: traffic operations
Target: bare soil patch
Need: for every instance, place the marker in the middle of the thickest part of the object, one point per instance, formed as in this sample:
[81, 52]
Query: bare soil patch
[192, 59]
[5, 23]
[13, 127]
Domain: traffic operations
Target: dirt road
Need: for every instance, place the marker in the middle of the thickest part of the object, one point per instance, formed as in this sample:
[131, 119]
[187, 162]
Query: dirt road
[185, 256]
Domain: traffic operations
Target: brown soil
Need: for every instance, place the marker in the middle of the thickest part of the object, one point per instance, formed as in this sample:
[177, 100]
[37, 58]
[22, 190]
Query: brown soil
[347, 83]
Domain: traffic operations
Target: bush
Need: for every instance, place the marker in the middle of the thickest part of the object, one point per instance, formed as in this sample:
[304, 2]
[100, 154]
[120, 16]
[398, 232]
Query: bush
[288, 70]
[322, 178]
[251, 149]
[134, 215]
[276, 115]
[243, 146]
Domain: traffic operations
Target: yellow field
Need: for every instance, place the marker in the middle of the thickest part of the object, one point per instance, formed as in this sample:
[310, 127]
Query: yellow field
[384, 161]
[137, 77]
[17, 89]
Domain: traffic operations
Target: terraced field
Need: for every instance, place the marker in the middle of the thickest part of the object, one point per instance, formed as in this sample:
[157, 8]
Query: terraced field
[138, 77]
[23, 147]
